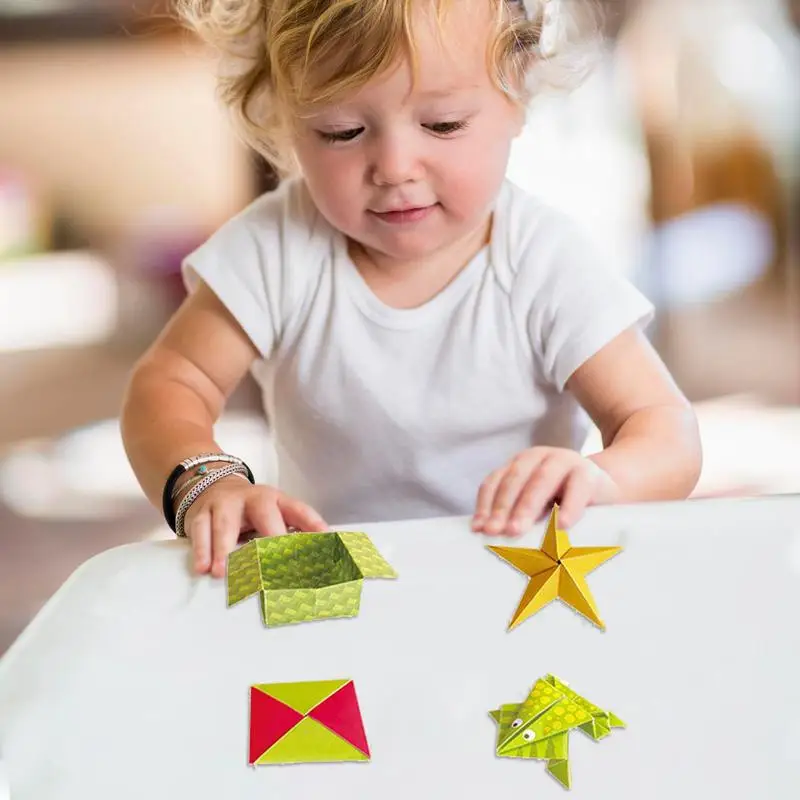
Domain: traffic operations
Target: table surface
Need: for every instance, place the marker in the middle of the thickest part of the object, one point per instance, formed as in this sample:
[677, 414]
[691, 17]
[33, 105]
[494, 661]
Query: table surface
[133, 681]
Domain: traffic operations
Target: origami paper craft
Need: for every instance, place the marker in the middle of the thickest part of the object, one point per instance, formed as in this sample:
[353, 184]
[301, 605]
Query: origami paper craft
[305, 576]
[315, 721]
[558, 570]
[539, 726]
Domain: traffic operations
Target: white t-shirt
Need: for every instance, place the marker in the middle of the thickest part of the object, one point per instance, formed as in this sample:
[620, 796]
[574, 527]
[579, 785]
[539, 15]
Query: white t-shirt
[381, 413]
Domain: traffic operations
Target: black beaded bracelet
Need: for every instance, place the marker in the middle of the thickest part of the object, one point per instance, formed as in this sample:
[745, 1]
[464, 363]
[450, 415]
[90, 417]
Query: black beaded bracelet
[167, 501]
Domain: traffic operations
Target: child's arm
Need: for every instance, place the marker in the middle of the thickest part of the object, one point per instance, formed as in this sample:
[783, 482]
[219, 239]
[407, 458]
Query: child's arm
[179, 388]
[176, 394]
[650, 437]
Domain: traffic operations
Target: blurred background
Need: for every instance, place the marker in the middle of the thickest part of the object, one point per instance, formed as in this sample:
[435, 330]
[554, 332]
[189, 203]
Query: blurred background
[679, 155]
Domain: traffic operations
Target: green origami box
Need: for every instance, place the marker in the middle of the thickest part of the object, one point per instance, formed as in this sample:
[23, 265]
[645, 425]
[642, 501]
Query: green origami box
[305, 576]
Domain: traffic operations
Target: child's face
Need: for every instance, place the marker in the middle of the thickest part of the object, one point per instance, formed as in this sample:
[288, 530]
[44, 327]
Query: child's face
[439, 148]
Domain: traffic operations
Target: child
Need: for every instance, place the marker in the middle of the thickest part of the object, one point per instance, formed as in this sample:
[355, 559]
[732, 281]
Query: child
[426, 335]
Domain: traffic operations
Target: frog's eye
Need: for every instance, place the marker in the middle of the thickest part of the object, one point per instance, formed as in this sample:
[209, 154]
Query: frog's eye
[516, 723]
[528, 735]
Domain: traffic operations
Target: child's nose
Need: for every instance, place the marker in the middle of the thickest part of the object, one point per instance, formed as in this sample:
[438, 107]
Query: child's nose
[395, 162]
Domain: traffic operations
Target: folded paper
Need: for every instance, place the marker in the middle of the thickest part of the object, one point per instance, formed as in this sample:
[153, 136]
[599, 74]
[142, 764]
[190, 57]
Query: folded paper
[313, 721]
[556, 571]
[539, 727]
[305, 576]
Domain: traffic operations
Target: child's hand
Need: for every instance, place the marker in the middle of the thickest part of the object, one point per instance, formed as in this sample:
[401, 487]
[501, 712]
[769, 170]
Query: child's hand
[512, 498]
[233, 506]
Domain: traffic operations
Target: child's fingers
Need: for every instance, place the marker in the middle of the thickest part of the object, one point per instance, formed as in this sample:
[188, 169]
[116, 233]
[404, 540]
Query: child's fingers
[541, 487]
[300, 515]
[486, 493]
[199, 534]
[226, 525]
[265, 516]
[577, 494]
[511, 487]
[507, 493]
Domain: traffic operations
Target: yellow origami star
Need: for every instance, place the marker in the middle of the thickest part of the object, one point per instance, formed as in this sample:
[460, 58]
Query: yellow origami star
[556, 571]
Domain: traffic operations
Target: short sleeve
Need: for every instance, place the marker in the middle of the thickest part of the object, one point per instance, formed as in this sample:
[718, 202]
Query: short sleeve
[251, 264]
[576, 304]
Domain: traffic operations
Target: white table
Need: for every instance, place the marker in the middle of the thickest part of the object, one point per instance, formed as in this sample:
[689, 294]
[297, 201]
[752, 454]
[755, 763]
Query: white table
[133, 681]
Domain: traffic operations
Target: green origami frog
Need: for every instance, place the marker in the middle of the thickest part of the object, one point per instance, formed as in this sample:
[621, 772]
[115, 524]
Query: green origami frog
[539, 727]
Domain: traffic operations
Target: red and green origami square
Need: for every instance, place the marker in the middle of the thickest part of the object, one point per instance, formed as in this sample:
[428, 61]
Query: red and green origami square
[316, 721]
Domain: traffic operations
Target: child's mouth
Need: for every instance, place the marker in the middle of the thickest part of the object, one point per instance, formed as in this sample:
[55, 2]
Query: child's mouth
[405, 216]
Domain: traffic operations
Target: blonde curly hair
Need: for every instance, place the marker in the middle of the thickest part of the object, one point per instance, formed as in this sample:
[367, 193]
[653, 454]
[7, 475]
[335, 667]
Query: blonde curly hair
[281, 56]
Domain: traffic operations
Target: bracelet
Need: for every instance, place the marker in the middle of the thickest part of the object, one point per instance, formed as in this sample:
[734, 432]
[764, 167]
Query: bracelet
[199, 477]
[198, 489]
[167, 499]
[201, 473]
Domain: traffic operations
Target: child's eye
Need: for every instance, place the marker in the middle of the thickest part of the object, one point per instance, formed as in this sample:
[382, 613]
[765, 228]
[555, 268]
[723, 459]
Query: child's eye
[340, 136]
[444, 128]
